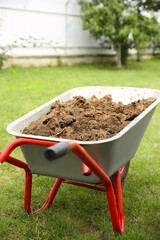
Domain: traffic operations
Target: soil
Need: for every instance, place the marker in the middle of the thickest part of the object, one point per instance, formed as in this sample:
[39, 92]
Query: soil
[87, 119]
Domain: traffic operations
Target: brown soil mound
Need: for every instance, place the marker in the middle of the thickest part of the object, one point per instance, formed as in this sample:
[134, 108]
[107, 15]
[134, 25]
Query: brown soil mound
[87, 119]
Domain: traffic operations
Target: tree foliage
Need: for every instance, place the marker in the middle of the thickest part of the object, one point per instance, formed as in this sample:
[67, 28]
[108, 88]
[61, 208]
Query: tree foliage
[146, 28]
[121, 23]
[149, 5]
[108, 20]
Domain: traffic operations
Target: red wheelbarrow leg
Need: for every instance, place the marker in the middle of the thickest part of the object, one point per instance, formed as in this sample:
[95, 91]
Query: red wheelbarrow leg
[116, 212]
[50, 197]
[28, 180]
[28, 186]
[53, 192]
[119, 200]
[27, 195]
[4, 157]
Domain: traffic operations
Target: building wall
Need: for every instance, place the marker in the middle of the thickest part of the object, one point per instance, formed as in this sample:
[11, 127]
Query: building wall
[57, 21]
[56, 26]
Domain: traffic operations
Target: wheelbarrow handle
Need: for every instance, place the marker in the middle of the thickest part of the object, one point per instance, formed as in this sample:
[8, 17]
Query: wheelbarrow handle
[57, 151]
[60, 149]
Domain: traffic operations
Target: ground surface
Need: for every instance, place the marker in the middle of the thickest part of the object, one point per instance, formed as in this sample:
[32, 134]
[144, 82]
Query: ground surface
[78, 213]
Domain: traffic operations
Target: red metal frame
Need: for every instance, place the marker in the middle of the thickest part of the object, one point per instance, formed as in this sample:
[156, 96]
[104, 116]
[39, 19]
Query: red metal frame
[121, 170]
[115, 206]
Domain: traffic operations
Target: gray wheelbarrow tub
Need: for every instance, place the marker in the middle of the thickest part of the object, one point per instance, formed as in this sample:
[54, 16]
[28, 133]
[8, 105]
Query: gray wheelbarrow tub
[110, 154]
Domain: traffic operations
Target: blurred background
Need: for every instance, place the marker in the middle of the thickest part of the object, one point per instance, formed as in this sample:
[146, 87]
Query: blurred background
[53, 26]
[44, 33]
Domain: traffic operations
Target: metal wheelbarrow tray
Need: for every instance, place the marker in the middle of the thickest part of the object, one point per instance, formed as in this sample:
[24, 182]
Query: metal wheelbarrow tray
[104, 158]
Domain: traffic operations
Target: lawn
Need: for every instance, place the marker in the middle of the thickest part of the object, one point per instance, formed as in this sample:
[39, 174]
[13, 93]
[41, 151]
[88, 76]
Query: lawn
[77, 213]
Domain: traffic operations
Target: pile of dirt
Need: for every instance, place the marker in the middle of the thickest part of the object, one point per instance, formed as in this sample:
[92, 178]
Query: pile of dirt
[87, 119]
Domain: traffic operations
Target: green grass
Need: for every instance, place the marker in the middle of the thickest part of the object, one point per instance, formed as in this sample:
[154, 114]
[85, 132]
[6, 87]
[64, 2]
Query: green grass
[77, 213]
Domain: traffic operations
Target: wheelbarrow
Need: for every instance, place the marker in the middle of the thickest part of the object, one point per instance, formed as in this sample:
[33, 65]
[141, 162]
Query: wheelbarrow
[90, 164]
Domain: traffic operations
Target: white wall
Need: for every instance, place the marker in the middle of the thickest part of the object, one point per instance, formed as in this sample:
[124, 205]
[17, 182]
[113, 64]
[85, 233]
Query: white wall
[54, 20]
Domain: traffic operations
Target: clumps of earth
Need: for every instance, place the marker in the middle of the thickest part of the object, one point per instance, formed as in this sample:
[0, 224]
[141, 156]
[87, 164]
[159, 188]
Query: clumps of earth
[87, 119]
